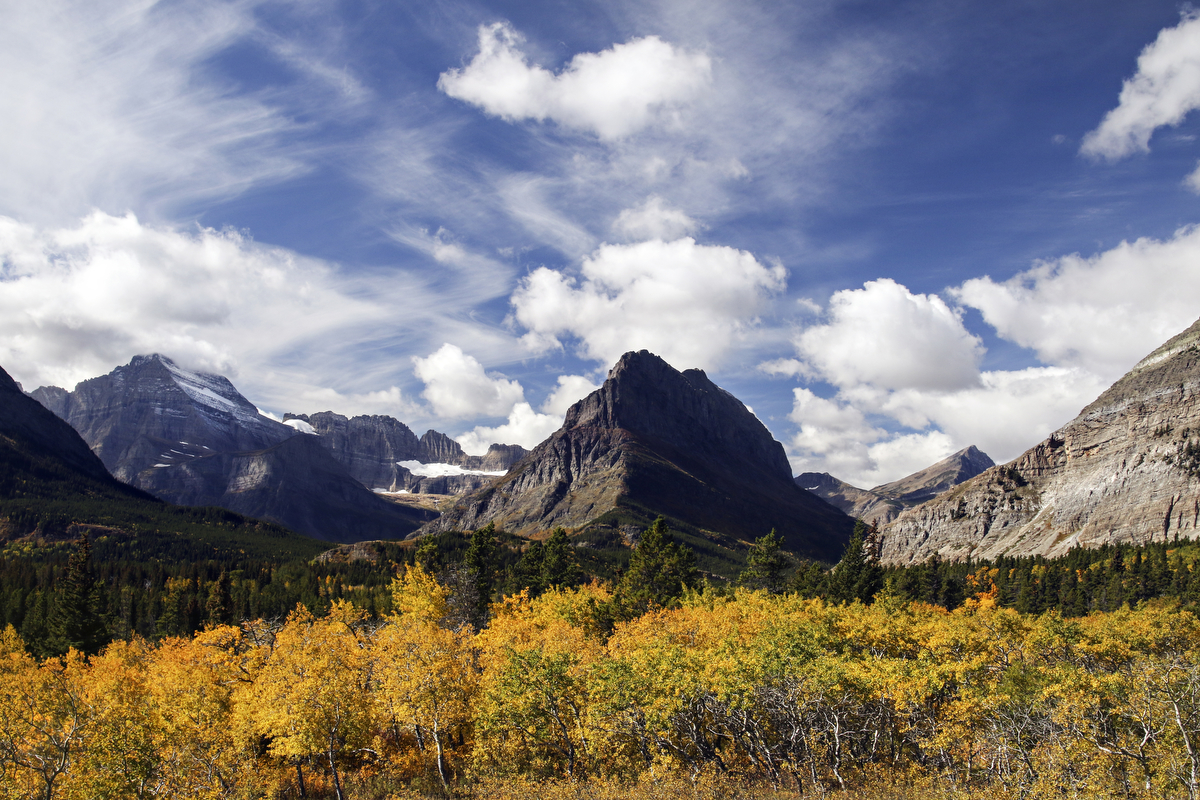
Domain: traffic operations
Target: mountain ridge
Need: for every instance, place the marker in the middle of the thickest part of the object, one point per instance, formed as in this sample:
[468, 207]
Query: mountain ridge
[1125, 470]
[653, 440]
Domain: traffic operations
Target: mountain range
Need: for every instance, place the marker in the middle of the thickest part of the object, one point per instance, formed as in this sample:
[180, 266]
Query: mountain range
[192, 439]
[884, 503]
[1125, 470]
[651, 441]
[656, 441]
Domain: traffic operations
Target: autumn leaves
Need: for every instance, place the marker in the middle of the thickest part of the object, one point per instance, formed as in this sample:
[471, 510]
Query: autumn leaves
[793, 693]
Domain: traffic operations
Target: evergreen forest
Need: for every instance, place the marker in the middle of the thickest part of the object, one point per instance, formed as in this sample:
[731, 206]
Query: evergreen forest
[480, 665]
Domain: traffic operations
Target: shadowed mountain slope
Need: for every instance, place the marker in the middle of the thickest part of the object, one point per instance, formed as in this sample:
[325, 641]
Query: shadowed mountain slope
[650, 441]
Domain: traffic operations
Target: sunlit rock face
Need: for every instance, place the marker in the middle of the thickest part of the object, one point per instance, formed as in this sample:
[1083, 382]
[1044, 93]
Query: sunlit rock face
[1126, 470]
[191, 438]
[884, 503]
[653, 440]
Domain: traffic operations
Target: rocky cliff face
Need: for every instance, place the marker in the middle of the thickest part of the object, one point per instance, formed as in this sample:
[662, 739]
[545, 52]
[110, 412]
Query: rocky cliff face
[367, 446]
[650, 441]
[372, 447]
[1127, 469]
[884, 503]
[142, 414]
[296, 483]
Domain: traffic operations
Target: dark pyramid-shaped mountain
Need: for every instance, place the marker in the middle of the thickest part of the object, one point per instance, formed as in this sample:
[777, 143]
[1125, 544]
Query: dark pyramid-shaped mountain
[650, 441]
[1126, 470]
[886, 502]
[191, 438]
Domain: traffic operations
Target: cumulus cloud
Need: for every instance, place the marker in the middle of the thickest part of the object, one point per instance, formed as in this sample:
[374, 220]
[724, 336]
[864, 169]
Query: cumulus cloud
[456, 385]
[685, 301]
[612, 94]
[525, 427]
[1102, 313]
[886, 336]
[653, 219]
[570, 389]
[908, 389]
[836, 437]
[1192, 181]
[77, 301]
[1164, 90]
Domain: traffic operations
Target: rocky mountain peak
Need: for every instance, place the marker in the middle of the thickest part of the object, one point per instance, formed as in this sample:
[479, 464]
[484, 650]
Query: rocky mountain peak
[1123, 471]
[653, 440]
[685, 410]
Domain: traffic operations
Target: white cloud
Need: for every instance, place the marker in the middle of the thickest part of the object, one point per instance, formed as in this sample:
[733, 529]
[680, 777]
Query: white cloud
[837, 438]
[909, 391]
[570, 390]
[525, 427]
[1192, 181]
[1102, 313]
[77, 301]
[885, 336]
[653, 219]
[613, 93]
[456, 385]
[109, 105]
[1164, 90]
[684, 301]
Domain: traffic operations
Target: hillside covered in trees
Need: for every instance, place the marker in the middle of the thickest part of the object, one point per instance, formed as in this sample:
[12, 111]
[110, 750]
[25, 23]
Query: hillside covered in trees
[468, 667]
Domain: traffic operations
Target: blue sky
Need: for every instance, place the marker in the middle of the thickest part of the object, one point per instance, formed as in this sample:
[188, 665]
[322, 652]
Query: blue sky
[893, 232]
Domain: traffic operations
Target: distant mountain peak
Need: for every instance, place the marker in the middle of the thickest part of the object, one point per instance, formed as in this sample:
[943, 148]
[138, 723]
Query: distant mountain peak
[1123, 471]
[885, 502]
[654, 440]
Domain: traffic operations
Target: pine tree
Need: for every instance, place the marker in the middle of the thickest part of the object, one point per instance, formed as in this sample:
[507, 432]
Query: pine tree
[766, 565]
[76, 621]
[558, 561]
[659, 572]
[219, 608]
[481, 560]
[857, 576]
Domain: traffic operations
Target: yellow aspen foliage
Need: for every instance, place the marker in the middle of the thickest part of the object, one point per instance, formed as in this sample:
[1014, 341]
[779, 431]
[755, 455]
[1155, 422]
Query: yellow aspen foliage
[311, 698]
[44, 721]
[120, 757]
[426, 672]
[537, 658]
[193, 683]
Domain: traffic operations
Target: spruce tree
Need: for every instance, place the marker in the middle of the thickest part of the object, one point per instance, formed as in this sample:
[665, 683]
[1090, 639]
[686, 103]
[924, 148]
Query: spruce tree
[766, 565]
[481, 560]
[558, 566]
[76, 621]
[857, 576]
[659, 572]
[219, 608]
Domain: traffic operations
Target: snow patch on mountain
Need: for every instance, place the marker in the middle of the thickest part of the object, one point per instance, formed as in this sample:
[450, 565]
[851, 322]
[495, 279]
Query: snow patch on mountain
[301, 426]
[441, 470]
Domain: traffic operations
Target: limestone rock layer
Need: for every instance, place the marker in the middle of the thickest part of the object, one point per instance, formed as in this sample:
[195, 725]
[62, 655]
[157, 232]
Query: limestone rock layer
[1126, 470]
